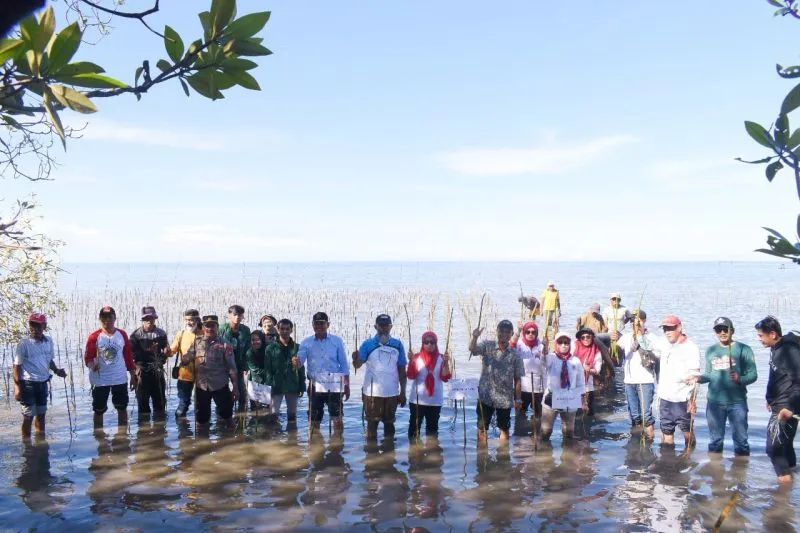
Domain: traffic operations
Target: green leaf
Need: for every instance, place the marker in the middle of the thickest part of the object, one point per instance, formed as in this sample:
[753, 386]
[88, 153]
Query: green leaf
[10, 49]
[782, 246]
[770, 252]
[63, 47]
[205, 21]
[782, 131]
[185, 87]
[137, 75]
[222, 12]
[73, 99]
[236, 63]
[94, 81]
[792, 101]
[163, 65]
[47, 26]
[204, 83]
[788, 72]
[194, 47]
[33, 57]
[10, 121]
[247, 47]
[775, 3]
[223, 80]
[80, 67]
[248, 25]
[757, 161]
[775, 233]
[173, 43]
[772, 169]
[244, 79]
[758, 133]
[29, 29]
[55, 120]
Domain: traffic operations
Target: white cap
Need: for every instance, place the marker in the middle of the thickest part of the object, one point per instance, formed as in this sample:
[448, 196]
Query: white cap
[551, 284]
[615, 295]
[562, 334]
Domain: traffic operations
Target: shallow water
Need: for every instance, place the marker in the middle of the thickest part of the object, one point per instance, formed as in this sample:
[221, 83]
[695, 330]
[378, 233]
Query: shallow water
[167, 474]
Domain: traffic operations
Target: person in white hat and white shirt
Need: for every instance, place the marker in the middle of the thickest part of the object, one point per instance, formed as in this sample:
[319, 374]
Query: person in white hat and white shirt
[565, 388]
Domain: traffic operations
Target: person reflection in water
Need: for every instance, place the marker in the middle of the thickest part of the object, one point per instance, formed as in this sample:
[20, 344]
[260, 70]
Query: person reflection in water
[112, 458]
[494, 476]
[429, 496]
[327, 483]
[385, 490]
[37, 484]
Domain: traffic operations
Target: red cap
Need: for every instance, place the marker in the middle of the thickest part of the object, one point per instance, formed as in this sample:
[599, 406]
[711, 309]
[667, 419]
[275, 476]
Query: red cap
[37, 318]
[671, 321]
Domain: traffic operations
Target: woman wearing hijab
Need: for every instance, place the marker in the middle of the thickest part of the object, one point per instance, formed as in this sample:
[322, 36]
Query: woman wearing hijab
[527, 344]
[565, 387]
[286, 380]
[255, 357]
[588, 352]
[428, 370]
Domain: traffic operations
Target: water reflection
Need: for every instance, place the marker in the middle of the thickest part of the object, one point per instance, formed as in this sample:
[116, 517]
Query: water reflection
[385, 492]
[110, 471]
[40, 489]
[428, 495]
[327, 483]
[496, 474]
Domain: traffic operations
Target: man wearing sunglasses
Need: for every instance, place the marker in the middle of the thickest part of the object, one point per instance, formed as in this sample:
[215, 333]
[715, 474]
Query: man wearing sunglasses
[730, 368]
[680, 361]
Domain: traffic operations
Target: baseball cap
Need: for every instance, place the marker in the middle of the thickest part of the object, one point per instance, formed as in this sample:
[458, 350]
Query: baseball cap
[383, 320]
[671, 321]
[551, 284]
[148, 311]
[615, 295]
[37, 318]
[210, 319]
[561, 334]
[320, 316]
[191, 312]
[724, 321]
[107, 310]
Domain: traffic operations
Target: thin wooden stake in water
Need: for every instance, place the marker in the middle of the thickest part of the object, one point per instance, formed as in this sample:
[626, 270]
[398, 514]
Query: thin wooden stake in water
[480, 316]
[726, 511]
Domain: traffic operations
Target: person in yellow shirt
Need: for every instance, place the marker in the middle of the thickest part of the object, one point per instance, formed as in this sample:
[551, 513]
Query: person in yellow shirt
[550, 309]
[184, 340]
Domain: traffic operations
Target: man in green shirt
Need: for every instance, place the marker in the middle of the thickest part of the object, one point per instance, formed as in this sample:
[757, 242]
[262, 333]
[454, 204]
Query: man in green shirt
[730, 368]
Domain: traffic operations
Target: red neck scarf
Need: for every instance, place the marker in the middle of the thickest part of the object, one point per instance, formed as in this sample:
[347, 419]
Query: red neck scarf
[535, 341]
[586, 354]
[429, 360]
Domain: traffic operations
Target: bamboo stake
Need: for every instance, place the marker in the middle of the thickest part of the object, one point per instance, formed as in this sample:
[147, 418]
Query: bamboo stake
[726, 511]
[480, 315]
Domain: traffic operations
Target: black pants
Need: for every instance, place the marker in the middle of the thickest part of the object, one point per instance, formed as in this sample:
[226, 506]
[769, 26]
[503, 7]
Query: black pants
[223, 399]
[429, 413]
[332, 399]
[151, 386]
[119, 397]
[533, 400]
[780, 447]
[485, 414]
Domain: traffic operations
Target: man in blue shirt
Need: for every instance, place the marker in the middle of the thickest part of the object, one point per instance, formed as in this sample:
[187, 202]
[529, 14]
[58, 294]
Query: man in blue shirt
[323, 355]
[385, 378]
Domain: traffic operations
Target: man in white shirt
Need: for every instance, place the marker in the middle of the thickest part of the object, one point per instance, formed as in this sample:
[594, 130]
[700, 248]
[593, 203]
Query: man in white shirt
[32, 364]
[680, 365]
[639, 345]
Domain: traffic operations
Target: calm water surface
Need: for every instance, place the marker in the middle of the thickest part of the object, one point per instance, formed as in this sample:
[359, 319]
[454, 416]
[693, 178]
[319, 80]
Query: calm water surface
[157, 474]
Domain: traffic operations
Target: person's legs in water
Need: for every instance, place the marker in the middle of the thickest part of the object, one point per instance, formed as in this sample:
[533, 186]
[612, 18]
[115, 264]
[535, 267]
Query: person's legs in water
[716, 416]
[737, 414]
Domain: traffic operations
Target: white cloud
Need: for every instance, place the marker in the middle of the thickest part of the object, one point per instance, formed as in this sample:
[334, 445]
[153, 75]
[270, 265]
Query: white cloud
[538, 160]
[210, 234]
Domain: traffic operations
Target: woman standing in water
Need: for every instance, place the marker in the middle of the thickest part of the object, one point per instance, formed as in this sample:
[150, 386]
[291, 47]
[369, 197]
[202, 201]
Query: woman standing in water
[428, 370]
[588, 352]
[256, 364]
[526, 342]
[565, 388]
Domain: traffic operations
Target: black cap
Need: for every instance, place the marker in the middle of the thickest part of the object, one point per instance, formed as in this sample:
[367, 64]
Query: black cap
[640, 313]
[320, 316]
[191, 312]
[107, 311]
[724, 321]
[236, 308]
[209, 319]
[148, 311]
[383, 320]
[505, 324]
[584, 331]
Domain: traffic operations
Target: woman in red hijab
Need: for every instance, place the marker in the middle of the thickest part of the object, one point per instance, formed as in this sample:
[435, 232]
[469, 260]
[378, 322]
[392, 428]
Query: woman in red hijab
[428, 370]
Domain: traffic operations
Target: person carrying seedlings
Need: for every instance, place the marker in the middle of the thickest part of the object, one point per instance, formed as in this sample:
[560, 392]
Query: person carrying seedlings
[566, 385]
[500, 384]
[429, 369]
[184, 339]
[730, 368]
[590, 353]
[150, 351]
[323, 353]
[526, 342]
[286, 380]
[550, 306]
[616, 316]
[593, 320]
[679, 362]
[385, 377]
[783, 395]
[108, 355]
[33, 360]
[638, 365]
[235, 333]
[214, 366]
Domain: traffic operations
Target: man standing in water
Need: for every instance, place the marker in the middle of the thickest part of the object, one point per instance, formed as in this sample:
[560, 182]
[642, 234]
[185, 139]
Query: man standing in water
[180, 346]
[500, 385]
[214, 365]
[680, 362]
[323, 353]
[150, 350]
[730, 368]
[783, 395]
[108, 356]
[32, 364]
[385, 378]
[238, 336]
[593, 320]
[639, 345]
[550, 309]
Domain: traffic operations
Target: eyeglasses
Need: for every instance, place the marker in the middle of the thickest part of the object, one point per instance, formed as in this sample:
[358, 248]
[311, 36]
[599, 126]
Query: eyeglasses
[531, 332]
[566, 341]
[669, 328]
[586, 336]
[429, 342]
[721, 329]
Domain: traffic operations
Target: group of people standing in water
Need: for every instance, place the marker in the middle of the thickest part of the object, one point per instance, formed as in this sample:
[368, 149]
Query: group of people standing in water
[552, 375]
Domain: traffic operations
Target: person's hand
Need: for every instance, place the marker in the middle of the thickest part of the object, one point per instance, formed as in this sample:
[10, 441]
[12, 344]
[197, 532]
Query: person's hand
[691, 380]
[518, 404]
[477, 333]
[614, 335]
[402, 399]
[354, 357]
[60, 372]
[784, 415]
[587, 368]
[735, 376]
[519, 326]
[17, 393]
[691, 408]
[134, 380]
[296, 362]
[347, 392]
[235, 393]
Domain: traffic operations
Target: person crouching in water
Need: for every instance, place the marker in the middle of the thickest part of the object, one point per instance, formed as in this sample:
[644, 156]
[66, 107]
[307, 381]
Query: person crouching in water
[532, 386]
[500, 385]
[286, 381]
[589, 353]
[429, 370]
[565, 388]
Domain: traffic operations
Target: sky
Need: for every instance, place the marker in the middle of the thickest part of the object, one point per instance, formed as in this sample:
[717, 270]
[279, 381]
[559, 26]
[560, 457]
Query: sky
[426, 131]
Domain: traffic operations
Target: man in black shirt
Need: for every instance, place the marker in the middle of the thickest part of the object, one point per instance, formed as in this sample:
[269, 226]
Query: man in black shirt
[150, 350]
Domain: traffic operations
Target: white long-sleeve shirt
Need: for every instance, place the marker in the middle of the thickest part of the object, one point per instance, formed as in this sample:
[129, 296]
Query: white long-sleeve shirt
[577, 384]
[635, 373]
[679, 361]
[534, 364]
[615, 317]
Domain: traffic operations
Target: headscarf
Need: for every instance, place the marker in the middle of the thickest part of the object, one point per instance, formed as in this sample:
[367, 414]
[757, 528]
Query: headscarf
[258, 355]
[428, 359]
[535, 342]
[586, 354]
[564, 369]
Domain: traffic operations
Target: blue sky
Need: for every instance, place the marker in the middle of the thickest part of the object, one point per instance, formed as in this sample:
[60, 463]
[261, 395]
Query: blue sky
[440, 131]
